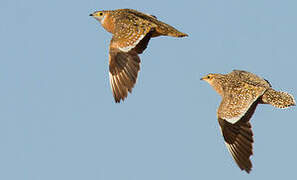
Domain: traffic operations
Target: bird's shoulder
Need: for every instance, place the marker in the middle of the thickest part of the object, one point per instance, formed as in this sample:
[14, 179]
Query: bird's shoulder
[247, 78]
[135, 17]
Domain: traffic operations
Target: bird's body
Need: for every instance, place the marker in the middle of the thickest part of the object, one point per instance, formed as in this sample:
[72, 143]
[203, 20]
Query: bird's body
[131, 31]
[241, 92]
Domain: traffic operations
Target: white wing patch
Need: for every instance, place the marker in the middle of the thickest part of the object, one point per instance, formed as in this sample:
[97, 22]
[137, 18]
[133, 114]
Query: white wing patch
[112, 83]
[229, 147]
[234, 119]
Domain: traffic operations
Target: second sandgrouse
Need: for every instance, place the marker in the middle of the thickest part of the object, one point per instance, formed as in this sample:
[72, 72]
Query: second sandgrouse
[241, 92]
[131, 31]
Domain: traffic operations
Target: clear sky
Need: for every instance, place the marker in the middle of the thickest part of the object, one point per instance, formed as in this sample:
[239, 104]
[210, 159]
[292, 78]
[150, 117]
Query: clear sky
[58, 119]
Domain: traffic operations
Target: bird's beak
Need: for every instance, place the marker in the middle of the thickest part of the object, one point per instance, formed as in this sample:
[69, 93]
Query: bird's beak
[202, 78]
[91, 15]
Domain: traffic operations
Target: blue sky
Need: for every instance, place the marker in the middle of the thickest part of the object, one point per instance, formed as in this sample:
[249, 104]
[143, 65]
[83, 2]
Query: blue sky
[59, 120]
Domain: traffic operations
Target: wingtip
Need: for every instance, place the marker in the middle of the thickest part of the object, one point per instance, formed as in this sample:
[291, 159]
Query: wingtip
[247, 170]
[119, 100]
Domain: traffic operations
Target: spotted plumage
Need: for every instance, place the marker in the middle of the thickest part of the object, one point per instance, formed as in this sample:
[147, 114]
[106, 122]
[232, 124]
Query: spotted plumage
[131, 31]
[241, 92]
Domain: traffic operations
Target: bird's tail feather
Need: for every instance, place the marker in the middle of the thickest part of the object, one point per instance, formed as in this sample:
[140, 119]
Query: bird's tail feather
[167, 30]
[278, 99]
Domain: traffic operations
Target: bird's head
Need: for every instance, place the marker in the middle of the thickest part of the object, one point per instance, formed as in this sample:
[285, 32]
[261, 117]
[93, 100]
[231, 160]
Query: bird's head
[99, 15]
[215, 80]
[209, 78]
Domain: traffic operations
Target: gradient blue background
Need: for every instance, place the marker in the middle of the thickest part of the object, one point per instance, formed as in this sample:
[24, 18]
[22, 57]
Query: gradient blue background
[58, 119]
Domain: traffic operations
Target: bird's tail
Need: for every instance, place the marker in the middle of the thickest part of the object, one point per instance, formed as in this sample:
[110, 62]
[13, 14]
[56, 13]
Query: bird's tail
[177, 34]
[278, 99]
[164, 29]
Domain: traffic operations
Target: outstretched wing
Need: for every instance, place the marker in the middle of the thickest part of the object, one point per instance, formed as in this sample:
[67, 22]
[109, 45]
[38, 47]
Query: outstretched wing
[234, 113]
[124, 62]
[239, 139]
[123, 71]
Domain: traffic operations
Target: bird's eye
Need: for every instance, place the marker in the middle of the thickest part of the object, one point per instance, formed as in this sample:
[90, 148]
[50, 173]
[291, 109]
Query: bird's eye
[208, 77]
[101, 14]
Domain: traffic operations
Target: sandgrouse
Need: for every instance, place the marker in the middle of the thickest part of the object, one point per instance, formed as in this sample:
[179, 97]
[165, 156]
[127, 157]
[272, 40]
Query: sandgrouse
[241, 92]
[131, 31]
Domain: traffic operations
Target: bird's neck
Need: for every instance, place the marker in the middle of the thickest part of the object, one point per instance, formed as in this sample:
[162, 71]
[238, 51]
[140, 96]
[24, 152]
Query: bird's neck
[217, 87]
[108, 24]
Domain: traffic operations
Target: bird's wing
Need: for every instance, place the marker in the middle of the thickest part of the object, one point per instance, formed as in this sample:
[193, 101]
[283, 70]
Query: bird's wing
[251, 78]
[145, 16]
[123, 71]
[130, 31]
[124, 62]
[236, 109]
[239, 139]
[237, 101]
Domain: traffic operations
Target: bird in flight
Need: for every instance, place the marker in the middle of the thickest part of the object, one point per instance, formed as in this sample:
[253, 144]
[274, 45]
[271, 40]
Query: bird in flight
[132, 30]
[241, 92]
